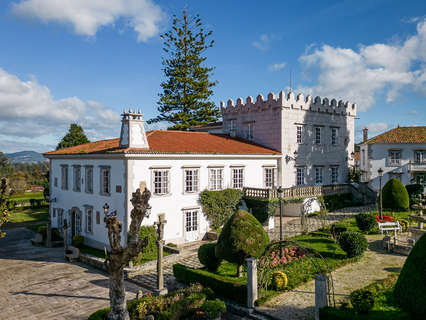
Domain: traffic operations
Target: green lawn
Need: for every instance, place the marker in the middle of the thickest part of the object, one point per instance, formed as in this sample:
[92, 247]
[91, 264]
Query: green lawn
[28, 214]
[27, 196]
[384, 307]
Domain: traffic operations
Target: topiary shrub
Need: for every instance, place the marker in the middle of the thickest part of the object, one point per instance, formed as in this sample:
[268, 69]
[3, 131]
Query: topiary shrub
[78, 241]
[336, 230]
[410, 289]
[279, 280]
[241, 237]
[353, 243]
[362, 300]
[218, 206]
[366, 222]
[207, 256]
[395, 196]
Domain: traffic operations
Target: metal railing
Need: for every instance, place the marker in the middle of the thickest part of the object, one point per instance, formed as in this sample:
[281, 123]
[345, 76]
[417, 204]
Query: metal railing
[297, 192]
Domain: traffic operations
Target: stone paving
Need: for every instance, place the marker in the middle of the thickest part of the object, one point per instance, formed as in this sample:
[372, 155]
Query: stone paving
[37, 283]
[299, 303]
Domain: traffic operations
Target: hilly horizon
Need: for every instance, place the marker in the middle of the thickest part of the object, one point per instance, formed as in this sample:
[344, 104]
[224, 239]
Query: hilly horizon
[27, 156]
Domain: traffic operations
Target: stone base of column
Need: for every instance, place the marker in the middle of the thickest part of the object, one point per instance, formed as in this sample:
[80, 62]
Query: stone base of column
[161, 292]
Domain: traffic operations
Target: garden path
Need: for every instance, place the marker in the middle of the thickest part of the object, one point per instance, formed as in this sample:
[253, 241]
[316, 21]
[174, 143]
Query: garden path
[299, 303]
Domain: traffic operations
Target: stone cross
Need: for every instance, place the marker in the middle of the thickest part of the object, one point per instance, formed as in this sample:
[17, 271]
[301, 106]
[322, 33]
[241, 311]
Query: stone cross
[251, 282]
[160, 290]
[321, 291]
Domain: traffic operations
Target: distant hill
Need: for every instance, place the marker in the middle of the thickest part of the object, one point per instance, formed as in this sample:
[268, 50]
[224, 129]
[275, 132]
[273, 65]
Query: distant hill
[25, 156]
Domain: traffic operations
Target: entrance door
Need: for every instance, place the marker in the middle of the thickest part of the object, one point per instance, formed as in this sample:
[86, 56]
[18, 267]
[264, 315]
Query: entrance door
[191, 225]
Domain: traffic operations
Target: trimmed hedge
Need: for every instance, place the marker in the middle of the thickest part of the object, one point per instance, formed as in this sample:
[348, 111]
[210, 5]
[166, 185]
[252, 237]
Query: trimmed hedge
[353, 243]
[362, 300]
[262, 209]
[207, 256]
[218, 206]
[221, 285]
[410, 289]
[395, 196]
[366, 222]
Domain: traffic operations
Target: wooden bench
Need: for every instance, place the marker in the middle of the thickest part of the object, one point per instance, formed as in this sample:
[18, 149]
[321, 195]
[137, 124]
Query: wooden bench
[389, 226]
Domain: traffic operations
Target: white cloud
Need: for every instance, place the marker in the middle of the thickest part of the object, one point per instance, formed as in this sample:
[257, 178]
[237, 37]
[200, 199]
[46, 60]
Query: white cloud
[28, 110]
[359, 75]
[264, 42]
[88, 16]
[276, 67]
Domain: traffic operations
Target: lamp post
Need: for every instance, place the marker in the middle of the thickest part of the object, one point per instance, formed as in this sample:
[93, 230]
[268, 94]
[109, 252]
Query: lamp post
[380, 172]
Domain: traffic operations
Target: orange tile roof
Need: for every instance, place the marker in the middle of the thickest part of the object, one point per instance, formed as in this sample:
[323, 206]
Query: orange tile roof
[401, 135]
[167, 141]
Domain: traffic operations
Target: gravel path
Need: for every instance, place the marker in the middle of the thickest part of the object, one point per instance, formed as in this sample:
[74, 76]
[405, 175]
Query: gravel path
[375, 265]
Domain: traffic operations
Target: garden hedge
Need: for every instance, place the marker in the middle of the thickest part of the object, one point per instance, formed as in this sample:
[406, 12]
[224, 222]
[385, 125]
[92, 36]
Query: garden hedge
[365, 221]
[222, 286]
[410, 289]
[262, 209]
[353, 243]
[207, 256]
[395, 196]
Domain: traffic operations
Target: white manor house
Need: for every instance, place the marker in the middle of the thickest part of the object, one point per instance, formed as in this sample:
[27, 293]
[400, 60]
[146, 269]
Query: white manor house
[281, 140]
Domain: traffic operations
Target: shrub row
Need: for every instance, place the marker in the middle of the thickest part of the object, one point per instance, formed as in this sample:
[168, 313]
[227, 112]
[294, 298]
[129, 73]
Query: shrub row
[222, 286]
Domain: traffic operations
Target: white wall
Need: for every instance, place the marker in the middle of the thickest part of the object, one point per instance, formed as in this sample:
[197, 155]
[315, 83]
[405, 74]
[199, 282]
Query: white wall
[67, 199]
[378, 154]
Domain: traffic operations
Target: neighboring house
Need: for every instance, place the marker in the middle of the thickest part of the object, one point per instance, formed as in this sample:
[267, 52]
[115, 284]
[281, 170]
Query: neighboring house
[176, 166]
[314, 136]
[399, 152]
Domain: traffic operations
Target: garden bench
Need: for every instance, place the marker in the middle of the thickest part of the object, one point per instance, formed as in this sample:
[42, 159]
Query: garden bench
[389, 226]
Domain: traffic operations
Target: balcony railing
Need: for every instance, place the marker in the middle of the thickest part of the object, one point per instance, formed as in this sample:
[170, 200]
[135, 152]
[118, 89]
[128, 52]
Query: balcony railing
[417, 166]
[297, 192]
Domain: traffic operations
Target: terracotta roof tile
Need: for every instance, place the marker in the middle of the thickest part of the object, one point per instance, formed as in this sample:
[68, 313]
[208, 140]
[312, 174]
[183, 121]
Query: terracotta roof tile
[401, 135]
[163, 141]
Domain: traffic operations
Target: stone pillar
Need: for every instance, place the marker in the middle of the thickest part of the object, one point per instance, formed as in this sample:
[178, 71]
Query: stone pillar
[160, 290]
[251, 281]
[321, 286]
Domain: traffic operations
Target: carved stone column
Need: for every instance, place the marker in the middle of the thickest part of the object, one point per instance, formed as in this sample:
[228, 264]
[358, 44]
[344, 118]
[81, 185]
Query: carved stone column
[160, 290]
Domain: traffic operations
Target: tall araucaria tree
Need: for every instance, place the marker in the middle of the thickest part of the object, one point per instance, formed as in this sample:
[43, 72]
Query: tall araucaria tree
[119, 256]
[74, 137]
[185, 100]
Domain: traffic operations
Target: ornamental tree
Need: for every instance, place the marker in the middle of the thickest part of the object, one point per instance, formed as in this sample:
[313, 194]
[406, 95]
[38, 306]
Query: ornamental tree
[74, 137]
[185, 100]
[395, 196]
[242, 236]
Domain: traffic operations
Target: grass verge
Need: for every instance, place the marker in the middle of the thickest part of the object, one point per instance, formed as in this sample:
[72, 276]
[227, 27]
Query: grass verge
[28, 214]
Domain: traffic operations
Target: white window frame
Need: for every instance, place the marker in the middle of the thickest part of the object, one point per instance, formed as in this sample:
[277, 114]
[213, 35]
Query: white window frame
[194, 223]
[394, 158]
[317, 135]
[76, 178]
[216, 178]
[64, 177]
[191, 180]
[105, 180]
[161, 181]
[300, 176]
[334, 136]
[88, 182]
[89, 219]
[269, 177]
[299, 134]
[319, 177]
[420, 156]
[334, 174]
[78, 222]
[237, 177]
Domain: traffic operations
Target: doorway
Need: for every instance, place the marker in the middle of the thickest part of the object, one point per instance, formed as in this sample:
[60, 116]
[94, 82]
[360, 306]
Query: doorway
[191, 225]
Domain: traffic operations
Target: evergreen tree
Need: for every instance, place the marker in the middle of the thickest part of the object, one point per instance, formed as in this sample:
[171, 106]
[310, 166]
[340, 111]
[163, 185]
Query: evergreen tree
[185, 98]
[74, 137]
[4, 212]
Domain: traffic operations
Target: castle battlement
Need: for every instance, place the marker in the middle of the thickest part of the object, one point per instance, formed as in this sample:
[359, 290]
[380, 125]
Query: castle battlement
[289, 101]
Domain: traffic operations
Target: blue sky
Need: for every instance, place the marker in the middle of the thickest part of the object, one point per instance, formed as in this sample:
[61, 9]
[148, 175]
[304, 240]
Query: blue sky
[83, 61]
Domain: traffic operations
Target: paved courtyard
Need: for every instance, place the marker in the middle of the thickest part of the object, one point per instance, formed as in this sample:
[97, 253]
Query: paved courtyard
[37, 283]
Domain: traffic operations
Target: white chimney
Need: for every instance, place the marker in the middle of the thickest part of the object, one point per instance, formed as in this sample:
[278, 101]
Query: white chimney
[132, 130]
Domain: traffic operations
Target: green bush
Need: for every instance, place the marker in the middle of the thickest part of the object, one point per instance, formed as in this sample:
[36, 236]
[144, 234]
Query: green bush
[218, 206]
[336, 230]
[222, 286]
[207, 256]
[78, 240]
[214, 308]
[151, 233]
[410, 289]
[279, 280]
[413, 191]
[43, 231]
[395, 196]
[241, 237]
[366, 222]
[404, 224]
[337, 201]
[353, 243]
[262, 209]
[362, 300]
